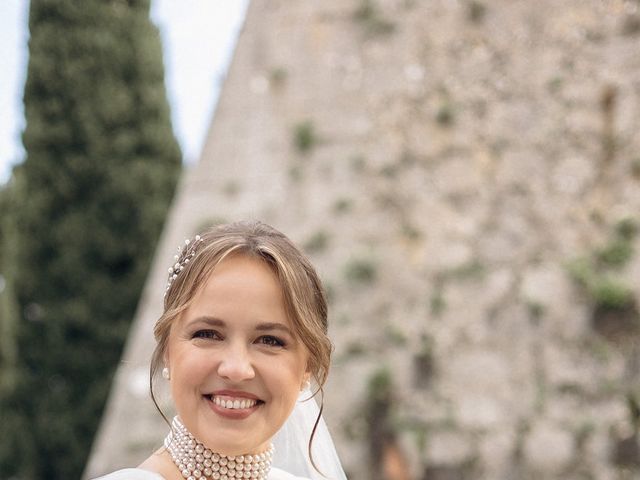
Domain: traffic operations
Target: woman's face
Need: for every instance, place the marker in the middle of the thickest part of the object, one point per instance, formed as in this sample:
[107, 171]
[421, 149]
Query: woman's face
[236, 365]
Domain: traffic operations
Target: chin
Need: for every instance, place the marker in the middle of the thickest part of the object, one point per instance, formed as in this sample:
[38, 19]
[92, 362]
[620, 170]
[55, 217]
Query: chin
[232, 439]
[232, 431]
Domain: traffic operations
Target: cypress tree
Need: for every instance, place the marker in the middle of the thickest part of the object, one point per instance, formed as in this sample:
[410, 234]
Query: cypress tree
[100, 171]
[8, 313]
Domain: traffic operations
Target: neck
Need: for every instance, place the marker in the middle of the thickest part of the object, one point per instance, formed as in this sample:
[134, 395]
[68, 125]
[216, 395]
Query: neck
[197, 462]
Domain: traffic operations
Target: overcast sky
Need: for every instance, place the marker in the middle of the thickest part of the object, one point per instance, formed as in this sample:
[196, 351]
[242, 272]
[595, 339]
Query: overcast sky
[198, 38]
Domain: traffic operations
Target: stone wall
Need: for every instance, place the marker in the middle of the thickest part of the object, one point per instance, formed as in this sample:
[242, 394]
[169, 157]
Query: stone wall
[466, 177]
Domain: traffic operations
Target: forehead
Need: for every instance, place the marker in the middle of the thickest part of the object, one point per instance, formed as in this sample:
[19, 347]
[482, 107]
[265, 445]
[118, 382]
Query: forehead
[241, 284]
[238, 269]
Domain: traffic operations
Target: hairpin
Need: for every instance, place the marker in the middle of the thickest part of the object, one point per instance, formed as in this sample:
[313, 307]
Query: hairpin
[182, 259]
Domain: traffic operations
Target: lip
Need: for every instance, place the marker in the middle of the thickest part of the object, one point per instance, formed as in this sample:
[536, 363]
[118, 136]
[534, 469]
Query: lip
[235, 414]
[235, 393]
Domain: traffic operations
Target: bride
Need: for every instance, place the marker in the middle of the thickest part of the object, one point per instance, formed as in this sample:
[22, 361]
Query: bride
[243, 345]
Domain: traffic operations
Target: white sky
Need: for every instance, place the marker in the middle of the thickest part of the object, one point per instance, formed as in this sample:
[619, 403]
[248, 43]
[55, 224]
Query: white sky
[198, 38]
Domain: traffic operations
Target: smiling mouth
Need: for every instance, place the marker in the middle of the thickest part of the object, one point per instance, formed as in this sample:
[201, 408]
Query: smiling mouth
[233, 403]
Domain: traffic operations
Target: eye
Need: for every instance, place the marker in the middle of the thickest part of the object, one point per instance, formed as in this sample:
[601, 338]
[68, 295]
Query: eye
[271, 341]
[207, 334]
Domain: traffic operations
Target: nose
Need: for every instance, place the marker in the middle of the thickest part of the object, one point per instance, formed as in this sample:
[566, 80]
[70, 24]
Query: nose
[236, 365]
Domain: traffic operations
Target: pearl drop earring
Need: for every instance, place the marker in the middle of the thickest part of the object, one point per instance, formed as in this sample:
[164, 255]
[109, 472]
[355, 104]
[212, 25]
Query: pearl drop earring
[165, 373]
[306, 385]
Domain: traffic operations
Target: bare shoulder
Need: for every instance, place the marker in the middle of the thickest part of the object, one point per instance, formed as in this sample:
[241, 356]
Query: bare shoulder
[160, 464]
[153, 468]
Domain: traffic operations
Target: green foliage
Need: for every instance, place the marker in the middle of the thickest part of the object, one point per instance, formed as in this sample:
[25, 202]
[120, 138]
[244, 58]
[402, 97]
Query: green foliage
[390, 170]
[633, 403]
[377, 410]
[616, 253]
[369, 16]
[411, 232]
[380, 384]
[424, 363]
[360, 271]
[635, 168]
[555, 84]
[606, 290]
[444, 115]
[342, 205]
[583, 432]
[278, 77]
[598, 271]
[8, 306]
[581, 270]
[91, 197]
[610, 293]
[473, 269]
[304, 136]
[476, 11]
[536, 309]
[396, 335]
[437, 303]
[626, 229]
[354, 349]
[317, 242]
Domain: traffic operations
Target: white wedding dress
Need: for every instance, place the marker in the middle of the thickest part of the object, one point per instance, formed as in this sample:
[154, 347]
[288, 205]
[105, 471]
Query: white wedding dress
[140, 474]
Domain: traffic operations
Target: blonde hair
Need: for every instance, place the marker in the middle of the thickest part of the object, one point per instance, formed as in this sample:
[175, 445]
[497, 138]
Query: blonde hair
[304, 297]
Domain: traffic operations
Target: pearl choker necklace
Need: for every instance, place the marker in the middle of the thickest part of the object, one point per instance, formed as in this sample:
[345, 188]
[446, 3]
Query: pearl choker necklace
[197, 462]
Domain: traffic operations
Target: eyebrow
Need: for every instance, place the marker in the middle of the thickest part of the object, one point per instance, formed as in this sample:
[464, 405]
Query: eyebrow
[213, 321]
[261, 327]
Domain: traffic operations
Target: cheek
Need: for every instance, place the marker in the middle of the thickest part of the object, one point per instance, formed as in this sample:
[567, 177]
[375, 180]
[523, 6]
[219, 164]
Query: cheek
[189, 370]
[287, 378]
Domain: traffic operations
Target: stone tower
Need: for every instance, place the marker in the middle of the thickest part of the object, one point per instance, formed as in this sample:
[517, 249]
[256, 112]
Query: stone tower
[465, 174]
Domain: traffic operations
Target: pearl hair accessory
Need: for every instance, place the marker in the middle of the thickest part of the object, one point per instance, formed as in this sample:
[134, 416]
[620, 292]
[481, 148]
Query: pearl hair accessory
[166, 374]
[197, 462]
[182, 259]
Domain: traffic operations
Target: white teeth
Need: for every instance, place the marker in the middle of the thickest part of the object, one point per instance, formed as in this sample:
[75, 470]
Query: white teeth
[234, 404]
